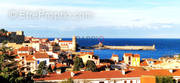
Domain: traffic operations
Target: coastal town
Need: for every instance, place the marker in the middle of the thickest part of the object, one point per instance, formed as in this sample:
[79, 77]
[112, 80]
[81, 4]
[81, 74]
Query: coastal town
[60, 61]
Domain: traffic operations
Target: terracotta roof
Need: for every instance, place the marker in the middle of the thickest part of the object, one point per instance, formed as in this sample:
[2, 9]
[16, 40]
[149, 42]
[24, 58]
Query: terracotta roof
[30, 58]
[25, 49]
[150, 59]
[65, 41]
[109, 74]
[158, 62]
[136, 55]
[143, 63]
[115, 55]
[41, 55]
[35, 41]
[23, 54]
[103, 65]
[17, 57]
[128, 54]
[1, 52]
[60, 65]
[85, 53]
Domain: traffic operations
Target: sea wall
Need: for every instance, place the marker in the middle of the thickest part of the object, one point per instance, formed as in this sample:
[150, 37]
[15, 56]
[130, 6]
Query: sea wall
[130, 47]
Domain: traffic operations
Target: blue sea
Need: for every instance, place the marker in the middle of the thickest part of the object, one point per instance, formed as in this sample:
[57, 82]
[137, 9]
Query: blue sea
[164, 47]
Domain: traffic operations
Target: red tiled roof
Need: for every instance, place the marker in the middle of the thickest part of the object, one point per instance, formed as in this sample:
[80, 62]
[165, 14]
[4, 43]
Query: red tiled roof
[128, 54]
[144, 63]
[85, 53]
[17, 57]
[41, 55]
[115, 55]
[23, 54]
[109, 74]
[65, 41]
[1, 52]
[30, 58]
[60, 65]
[25, 49]
[150, 59]
[157, 62]
[136, 55]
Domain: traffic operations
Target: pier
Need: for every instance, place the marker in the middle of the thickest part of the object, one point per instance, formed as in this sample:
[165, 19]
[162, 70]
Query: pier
[101, 46]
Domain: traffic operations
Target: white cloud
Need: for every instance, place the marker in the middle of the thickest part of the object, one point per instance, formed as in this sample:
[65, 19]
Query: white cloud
[163, 36]
[152, 18]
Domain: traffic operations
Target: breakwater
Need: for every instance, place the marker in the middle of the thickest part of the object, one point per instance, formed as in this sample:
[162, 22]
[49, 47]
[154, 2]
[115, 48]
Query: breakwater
[101, 46]
[129, 47]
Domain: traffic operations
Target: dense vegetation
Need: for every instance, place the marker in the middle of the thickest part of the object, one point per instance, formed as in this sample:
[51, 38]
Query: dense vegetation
[78, 63]
[164, 79]
[91, 66]
[9, 71]
[42, 69]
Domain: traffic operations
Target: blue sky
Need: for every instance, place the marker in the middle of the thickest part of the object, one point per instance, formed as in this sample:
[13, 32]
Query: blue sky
[108, 18]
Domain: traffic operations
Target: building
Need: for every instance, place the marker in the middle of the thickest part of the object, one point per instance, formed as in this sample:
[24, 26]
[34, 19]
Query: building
[42, 56]
[68, 45]
[117, 76]
[131, 59]
[89, 56]
[26, 50]
[26, 63]
[115, 58]
[29, 63]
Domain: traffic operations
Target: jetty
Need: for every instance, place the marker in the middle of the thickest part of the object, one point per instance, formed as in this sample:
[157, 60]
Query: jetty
[101, 46]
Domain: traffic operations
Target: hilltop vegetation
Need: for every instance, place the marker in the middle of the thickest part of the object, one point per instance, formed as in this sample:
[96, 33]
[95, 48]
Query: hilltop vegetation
[12, 37]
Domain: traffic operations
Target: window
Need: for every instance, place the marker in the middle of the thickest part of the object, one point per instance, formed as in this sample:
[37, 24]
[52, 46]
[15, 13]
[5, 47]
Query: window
[101, 82]
[125, 81]
[38, 62]
[131, 81]
[28, 69]
[129, 58]
[28, 63]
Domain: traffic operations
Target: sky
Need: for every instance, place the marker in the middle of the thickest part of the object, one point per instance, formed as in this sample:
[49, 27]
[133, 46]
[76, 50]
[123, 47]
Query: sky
[107, 18]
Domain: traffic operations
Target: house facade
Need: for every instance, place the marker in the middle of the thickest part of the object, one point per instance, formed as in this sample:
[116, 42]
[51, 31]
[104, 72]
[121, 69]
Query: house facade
[131, 59]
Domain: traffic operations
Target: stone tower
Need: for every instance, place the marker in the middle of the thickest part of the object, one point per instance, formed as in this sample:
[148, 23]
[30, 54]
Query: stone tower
[74, 43]
[19, 32]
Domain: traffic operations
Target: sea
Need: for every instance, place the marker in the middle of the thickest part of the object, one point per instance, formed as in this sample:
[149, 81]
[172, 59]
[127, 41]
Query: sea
[164, 47]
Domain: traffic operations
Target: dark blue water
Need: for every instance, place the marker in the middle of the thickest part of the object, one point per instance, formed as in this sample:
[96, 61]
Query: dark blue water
[164, 47]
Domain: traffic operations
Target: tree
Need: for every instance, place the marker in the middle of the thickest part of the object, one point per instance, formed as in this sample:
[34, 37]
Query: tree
[8, 70]
[42, 69]
[29, 78]
[78, 63]
[3, 31]
[91, 66]
[50, 69]
[164, 79]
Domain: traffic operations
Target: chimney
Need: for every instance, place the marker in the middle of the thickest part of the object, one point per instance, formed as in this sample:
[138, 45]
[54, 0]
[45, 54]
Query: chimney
[58, 71]
[171, 70]
[107, 69]
[123, 72]
[72, 74]
[116, 69]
